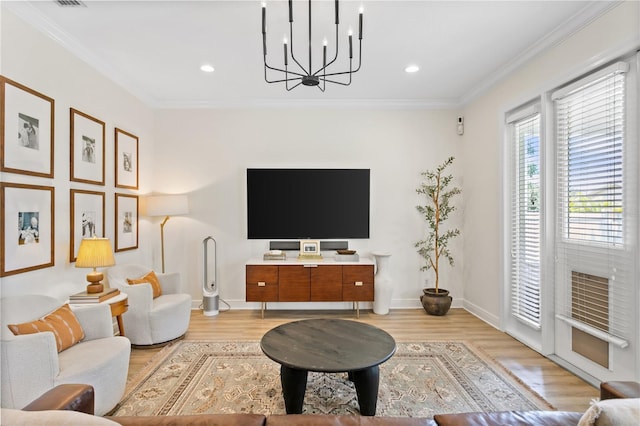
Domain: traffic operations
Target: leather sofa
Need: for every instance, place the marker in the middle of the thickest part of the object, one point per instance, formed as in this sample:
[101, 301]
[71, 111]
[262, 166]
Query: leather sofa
[80, 398]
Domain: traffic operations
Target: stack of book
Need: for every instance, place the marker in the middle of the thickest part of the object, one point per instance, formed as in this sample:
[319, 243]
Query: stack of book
[84, 297]
[274, 256]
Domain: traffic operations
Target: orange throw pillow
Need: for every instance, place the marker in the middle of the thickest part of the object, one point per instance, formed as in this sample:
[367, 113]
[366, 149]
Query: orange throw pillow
[150, 278]
[62, 322]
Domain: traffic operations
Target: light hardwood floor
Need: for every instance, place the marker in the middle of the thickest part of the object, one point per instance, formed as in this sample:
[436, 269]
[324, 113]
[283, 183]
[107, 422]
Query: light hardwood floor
[559, 387]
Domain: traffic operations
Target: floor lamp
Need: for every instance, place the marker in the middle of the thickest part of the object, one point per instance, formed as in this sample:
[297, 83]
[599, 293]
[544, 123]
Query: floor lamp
[167, 206]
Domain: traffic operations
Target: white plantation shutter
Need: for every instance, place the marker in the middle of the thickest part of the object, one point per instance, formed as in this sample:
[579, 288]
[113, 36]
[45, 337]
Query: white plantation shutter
[594, 250]
[524, 125]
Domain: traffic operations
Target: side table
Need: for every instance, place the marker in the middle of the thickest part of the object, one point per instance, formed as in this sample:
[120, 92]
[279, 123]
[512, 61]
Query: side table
[119, 305]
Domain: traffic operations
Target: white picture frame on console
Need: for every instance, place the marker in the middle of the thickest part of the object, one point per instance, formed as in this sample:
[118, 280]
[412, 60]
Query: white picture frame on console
[309, 248]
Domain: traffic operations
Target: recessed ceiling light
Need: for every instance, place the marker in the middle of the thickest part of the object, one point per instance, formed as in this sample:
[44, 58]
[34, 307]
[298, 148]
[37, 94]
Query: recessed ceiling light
[412, 68]
[207, 68]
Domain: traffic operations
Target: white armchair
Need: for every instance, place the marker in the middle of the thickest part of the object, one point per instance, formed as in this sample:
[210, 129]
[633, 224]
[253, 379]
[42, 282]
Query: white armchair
[31, 364]
[150, 321]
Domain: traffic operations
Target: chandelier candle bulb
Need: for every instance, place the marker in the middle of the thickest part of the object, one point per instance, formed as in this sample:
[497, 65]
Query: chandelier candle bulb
[324, 53]
[284, 44]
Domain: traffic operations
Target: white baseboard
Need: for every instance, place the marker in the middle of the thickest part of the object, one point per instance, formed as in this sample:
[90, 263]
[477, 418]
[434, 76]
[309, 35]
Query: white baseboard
[485, 316]
[395, 304]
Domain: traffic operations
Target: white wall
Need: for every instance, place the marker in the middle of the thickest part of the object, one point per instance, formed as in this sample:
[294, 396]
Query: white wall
[205, 153]
[614, 34]
[33, 59]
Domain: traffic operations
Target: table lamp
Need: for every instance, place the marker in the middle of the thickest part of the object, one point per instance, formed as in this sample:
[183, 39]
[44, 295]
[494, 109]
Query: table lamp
[95, 253]
[167, 206]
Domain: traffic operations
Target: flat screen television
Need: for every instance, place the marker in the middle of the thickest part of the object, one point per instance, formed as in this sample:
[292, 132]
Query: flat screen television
[307, 203]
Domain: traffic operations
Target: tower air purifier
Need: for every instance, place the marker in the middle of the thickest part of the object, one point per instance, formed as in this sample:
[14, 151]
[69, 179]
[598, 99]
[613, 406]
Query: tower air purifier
[210, 296]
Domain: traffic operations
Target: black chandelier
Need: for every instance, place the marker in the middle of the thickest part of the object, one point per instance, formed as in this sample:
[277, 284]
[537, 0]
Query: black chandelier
[306, 76]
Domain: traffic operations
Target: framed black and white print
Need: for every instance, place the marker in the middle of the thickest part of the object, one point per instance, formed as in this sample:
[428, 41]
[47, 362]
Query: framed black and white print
[87, 218]
[27, 228]
[27, 133]
[126, 149]
[87, 148]
[309, 247]
[126, 222]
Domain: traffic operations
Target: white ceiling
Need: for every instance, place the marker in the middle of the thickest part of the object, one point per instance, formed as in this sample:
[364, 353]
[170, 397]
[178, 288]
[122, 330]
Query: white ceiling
[155, 48]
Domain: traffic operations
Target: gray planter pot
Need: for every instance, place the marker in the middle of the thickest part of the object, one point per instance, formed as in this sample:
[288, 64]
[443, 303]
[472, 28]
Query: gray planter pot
[436, 303]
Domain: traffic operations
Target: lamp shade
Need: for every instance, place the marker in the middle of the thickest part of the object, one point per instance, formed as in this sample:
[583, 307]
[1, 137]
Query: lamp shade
[167, 205]
[95, 253]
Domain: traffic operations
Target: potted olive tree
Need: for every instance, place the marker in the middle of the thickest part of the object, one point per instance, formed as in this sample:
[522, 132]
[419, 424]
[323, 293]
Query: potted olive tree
[437, 190]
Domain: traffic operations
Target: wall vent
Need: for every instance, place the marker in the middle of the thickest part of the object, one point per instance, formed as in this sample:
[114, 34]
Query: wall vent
[590, 305]
[70, 3]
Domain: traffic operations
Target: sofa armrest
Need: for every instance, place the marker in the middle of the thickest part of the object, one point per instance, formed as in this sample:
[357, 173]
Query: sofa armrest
[29, 358]
[170, 283]
[96, 320]
[619, 389]
[75, 397]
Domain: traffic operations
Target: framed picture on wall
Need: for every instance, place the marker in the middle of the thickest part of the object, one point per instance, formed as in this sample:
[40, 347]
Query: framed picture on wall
[126, 149]
[87, 148]
[28, 130]
[87, 218]
[27, 228]
[126, 222]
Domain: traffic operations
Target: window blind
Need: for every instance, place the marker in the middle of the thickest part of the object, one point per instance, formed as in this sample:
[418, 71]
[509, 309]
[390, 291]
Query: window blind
[525, 220]
[590, 130]
[591, 203]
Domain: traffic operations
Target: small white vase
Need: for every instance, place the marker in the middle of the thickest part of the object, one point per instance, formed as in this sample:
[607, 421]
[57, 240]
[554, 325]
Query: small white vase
[383, 284]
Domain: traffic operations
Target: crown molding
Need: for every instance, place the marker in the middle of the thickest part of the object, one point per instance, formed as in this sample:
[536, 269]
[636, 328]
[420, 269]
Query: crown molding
[28, 13]
[575, 23]
[314, 104]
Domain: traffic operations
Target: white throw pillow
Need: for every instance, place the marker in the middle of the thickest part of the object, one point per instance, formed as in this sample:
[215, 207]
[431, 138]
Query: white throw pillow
[612, 412]
[11, 417]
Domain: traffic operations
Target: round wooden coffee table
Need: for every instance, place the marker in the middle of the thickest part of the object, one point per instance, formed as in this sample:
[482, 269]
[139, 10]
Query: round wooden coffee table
[329, 346]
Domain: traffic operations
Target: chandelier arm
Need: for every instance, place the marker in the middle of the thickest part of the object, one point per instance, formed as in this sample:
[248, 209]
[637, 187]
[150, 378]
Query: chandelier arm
[340, 73]
[281, 70]
[359, 56]
[339, 82]
[291, 88]
[284, 80]
[350, 71]
[334, 58]
[287, 80]
[291, 50]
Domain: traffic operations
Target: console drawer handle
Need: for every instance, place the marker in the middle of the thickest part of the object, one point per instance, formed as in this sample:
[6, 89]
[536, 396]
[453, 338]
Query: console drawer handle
[358, 283]
[261, 284]
[310, 265]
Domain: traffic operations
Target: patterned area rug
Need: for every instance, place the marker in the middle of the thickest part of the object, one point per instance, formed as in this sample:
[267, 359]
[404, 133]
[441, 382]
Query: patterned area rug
[420, 380]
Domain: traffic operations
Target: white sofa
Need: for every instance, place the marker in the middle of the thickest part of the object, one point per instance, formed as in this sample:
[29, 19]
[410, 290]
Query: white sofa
[150, 321]
[31, 364]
